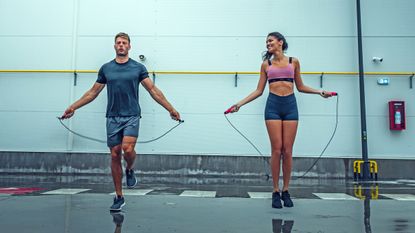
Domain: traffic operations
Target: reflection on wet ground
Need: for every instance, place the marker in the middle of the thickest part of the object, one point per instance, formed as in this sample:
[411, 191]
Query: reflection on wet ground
[282, 226]
[320, 206]
[223, 186]
[117, 219]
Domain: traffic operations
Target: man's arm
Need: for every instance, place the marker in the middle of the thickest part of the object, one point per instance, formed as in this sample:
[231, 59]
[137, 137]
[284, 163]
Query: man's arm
[158, 96]
[88, 97]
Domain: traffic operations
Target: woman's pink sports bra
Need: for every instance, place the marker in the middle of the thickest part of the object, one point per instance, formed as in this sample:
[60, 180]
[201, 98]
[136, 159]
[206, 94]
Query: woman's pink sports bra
[275, 74]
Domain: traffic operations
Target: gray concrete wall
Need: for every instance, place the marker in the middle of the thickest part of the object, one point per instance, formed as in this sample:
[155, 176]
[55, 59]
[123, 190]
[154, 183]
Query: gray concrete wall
[190, 165]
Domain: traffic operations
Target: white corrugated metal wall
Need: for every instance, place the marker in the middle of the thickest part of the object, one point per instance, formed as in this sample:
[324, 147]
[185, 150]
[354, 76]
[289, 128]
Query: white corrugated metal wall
[216, 35]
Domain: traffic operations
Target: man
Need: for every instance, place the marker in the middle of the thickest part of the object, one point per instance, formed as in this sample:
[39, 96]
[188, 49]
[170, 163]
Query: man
[122, 77]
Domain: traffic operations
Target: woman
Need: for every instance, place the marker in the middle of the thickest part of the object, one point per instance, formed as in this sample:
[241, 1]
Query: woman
[281, 113]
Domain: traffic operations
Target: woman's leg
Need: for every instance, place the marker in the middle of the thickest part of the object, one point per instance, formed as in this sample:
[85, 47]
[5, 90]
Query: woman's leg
[289, 131]
[274, 128]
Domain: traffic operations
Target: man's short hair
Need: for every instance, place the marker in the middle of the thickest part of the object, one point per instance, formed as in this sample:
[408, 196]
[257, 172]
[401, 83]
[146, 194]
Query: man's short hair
[122, 35]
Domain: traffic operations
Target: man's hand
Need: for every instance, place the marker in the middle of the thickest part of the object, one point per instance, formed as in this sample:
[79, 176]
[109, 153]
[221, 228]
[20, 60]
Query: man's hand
[68, 113]
[175, 115]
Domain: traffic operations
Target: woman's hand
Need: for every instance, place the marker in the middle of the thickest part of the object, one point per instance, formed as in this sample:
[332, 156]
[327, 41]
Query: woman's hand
[232, 109]
[235, 108]
[325, 94]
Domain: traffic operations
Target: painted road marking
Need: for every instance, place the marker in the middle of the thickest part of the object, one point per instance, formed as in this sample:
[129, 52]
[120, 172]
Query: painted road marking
[196, 193]
[21, 190]
[66, 191]
[260, 194]
[400, 197]
[134, 192]
[335, 196]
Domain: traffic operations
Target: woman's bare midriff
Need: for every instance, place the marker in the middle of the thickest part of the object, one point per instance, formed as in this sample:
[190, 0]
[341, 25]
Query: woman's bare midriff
[281, 88]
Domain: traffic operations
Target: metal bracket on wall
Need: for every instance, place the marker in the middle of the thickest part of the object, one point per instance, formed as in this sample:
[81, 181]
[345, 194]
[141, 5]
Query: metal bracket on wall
[236, 79]
[411, 78]
[321, 80]
[75, 78]
[154, 77]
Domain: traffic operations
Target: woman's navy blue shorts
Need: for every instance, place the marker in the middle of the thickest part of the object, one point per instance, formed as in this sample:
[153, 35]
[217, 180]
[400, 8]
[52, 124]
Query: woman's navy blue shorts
[281, 108]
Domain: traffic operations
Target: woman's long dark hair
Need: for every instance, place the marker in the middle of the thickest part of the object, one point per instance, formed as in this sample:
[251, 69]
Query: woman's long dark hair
[266, 55]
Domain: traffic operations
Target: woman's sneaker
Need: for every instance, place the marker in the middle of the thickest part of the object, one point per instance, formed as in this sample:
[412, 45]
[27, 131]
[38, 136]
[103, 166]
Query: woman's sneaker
[285, 196]
[130, 177]
[117, 204]
[276, 200]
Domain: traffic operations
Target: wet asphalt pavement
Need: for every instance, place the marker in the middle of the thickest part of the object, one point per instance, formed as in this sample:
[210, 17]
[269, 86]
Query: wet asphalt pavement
[200, 204]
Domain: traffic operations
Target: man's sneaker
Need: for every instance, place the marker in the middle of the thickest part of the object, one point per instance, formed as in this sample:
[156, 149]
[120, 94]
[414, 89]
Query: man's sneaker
[285, 196]
[118, 204]
[276, 200]
[130, 177]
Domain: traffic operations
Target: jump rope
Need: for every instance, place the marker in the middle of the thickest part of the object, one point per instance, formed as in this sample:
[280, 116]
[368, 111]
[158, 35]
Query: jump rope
[104, 141]
[267, 175]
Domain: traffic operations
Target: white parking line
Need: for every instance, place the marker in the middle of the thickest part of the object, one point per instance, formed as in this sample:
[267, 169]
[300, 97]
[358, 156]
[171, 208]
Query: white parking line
[335, 196]
[260, 194]
[66, 191]
[387, 182]
[400, 197]
[196, 193]
[134, 192]
[406, 181]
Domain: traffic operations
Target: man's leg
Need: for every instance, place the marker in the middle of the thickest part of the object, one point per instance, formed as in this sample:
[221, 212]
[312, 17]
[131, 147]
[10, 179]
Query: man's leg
[128, 145]
[116, 169]
[114, 142]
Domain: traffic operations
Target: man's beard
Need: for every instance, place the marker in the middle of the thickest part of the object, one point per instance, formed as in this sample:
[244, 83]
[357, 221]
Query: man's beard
[122, 54]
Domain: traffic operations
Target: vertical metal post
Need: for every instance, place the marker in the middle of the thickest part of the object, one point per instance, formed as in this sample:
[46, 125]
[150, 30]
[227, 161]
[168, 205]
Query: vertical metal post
[362, 97]
[75, 25]
[75, 78]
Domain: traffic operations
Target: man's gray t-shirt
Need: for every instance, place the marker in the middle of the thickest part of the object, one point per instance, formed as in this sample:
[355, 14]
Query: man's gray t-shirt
[122, 82]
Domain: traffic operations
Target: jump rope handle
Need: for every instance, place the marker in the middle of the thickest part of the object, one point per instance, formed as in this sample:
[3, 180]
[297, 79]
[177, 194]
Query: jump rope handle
[332, 93]
[229, 110]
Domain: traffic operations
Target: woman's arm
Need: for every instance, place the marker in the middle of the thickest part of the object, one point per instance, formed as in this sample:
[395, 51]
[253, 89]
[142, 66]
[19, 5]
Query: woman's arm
[258, 91]
[301, 87]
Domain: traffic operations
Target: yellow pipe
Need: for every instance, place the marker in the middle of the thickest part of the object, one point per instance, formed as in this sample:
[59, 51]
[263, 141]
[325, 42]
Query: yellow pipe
[356, 165]
[202, 72]
[207, 72]
[48, 71]
[375, 192]
[373, 166]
